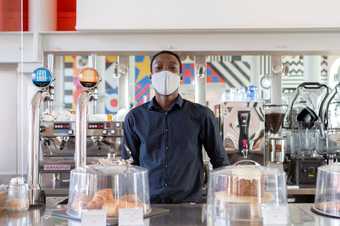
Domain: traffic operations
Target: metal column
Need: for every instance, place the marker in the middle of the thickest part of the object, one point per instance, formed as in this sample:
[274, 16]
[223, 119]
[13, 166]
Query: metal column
[200, 80]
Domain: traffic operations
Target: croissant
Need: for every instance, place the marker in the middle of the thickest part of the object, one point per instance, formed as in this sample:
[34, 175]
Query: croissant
[103, 199]
[129, 201]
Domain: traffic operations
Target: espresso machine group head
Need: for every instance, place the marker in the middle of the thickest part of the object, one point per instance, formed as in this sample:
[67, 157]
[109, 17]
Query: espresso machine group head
[43, 79]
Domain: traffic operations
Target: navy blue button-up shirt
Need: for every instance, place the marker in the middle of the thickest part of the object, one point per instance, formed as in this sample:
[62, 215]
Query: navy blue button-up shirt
[169, 144]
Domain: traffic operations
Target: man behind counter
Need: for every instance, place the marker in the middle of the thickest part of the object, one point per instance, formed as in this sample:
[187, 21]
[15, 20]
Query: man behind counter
[166, 136]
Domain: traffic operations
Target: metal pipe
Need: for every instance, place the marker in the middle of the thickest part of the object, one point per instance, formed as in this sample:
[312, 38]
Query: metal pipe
[33, 150]
[123, 81]
[50, 100]
[81, 129]
[50, 66]
[276, 90]
[94, 98]
[93, 60]
[59, 82]
[312, 71]
[200, 80]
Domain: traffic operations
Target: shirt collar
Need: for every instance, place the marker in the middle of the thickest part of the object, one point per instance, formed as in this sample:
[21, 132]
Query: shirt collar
[153, 105]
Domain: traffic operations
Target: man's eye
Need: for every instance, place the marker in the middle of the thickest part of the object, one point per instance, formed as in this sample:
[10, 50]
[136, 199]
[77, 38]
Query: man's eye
[172, 68]
[157, 69]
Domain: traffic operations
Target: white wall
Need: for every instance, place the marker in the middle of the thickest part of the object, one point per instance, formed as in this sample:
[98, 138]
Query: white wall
[28, 91]
[8, 119]
[11, 121]
[206, 14]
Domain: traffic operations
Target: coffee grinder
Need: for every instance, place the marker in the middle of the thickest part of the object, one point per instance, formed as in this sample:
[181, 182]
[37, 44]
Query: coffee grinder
[275, 142]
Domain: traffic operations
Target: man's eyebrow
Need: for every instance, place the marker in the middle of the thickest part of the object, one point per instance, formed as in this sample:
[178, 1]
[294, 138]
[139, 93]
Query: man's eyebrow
[156, 62]
[170, 62]
[174, 62]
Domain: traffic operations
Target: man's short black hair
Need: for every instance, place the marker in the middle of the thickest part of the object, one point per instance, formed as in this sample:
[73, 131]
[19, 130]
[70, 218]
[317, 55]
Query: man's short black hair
[166, 52]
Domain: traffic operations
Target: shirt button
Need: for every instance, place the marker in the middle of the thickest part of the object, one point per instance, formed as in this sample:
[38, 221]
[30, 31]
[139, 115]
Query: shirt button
[166, 165]
[165, 185]
[167, 148]
[166, 130]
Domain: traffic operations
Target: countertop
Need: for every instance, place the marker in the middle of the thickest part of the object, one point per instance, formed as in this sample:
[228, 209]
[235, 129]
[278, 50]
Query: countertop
[179, 215]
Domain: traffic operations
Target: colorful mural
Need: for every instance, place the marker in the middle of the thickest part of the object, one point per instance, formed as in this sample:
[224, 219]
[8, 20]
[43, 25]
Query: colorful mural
[295, 74]
[142, 79]
[213, 75]
[72, 67]
[188, 71]
[72, 88]
[111, 86]
[233, 71]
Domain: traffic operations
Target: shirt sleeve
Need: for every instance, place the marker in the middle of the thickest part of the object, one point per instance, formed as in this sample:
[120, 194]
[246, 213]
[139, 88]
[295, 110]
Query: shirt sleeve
[212, 141]
[131, 142]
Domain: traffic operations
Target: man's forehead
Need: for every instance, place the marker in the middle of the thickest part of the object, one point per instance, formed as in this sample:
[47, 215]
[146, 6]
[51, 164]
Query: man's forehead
[166, 58]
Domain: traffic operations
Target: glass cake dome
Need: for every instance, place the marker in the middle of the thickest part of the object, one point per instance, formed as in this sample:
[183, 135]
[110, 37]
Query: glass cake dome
[327, 196]
[238, 193]
[108, 187]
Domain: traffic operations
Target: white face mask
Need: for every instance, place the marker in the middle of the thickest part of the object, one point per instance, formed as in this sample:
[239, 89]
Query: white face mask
[165, 82]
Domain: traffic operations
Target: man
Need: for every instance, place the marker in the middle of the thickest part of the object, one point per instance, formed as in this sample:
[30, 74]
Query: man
[166, 136]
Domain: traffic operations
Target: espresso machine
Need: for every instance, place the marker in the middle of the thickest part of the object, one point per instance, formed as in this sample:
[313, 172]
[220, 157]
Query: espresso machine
[58, 143]
[241, 125]
[58, 148]
[304, 127]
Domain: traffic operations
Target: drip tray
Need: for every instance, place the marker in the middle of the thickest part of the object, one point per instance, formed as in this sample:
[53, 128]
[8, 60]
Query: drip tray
[110, 221]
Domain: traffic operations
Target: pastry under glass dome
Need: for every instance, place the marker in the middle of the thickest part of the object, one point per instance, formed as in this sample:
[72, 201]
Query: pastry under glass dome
[109, 188]
[327, 194]
[239, 192]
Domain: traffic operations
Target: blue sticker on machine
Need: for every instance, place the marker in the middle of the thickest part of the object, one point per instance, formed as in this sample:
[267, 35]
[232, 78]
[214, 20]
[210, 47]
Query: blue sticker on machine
[42, 77]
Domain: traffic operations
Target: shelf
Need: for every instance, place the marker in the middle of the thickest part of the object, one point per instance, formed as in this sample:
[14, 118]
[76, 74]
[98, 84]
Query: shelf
[202, 42]
[205, 42]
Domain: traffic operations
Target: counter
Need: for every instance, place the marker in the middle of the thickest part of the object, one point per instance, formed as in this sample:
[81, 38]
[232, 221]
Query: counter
[180, 215]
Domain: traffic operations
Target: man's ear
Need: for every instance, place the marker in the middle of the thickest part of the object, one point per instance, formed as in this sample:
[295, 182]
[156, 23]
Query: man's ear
[181, 75]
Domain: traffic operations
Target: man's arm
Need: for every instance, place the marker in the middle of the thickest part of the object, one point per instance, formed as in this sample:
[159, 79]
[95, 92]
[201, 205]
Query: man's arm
[131, 141]
[212, 141]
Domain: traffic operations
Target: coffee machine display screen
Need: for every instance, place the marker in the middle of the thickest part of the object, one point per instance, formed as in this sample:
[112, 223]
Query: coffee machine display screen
[62, 126]
[96, 126]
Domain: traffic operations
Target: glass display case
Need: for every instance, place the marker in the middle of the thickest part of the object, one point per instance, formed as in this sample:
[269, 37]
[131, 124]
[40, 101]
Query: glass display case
[327, 196]
[240, 192]
[109, 188]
